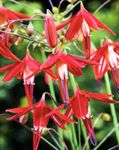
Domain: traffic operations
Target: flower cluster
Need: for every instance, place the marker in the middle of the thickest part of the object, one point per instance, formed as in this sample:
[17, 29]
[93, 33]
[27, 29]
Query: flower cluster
[57, 37]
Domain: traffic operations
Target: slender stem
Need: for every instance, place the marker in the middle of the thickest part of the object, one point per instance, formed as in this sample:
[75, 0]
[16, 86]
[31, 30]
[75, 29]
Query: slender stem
[49, 143]
[22, 4]
[79, 135]
[105, 138]
[51, 4]
[72, 8]
[87, 147]
[1, 3]
[73, 83]
[96, 121]
[55, 140]
[29, 129]
[51, 87]
[112, 107]
[52, 91]
[19, 35]
[101, 6]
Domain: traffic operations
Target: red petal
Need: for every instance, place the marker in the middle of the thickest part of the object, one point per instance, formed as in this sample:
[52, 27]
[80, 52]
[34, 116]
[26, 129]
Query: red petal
[7, 67]
[62, 25]
[50, 29]
[36, 139]
[7, 53]
[107, 98]
[75, 71]
[74, 27]
[104, 27]
[50, 61]
[79, 105]
[86, 45]
[89, 128]
[90, 19]
[53, 111]
[14, 71]
[69, 60]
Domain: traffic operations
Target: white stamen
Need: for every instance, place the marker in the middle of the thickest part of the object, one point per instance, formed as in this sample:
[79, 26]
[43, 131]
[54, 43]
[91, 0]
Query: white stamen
[85, 28]
[63, 71]
[113, 57]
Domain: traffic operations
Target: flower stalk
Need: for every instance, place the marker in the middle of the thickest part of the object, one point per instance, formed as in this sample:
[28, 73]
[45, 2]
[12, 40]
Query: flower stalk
[80, 124]
[112, 107]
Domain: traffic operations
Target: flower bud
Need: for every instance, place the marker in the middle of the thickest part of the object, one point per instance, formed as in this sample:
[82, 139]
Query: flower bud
[50, 31]
[30, 29]
[106, 117]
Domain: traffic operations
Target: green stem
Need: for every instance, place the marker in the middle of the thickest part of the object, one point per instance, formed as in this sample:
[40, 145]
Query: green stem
[51, 87]
[105, 138]
[49, 143]
[79, 135]
[1, 3]
[112, 107]
[74, 138]
[73, 83]
[55, 140]
[52, 91]
[87, 147]
[29, 129]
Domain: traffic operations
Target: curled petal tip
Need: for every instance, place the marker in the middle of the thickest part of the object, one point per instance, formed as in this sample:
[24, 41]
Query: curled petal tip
[93, 141]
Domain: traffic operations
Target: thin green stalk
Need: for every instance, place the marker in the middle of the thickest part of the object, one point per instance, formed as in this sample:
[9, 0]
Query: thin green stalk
[49, 143]
[85, 136]
[55, 140]
[79, 135]
[73, 138]
[112, 107]
[1, 3]
[29, 129]
[73, 83]
[52, 91]
[105, 138]
[51, 87]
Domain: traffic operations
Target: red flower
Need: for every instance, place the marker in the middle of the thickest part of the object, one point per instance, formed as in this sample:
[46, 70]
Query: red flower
[83, 22]
[64, 63]
[26, 70]
[41, 115]
[6, 15]
[50, 30]
[108, 58]
[79, 105]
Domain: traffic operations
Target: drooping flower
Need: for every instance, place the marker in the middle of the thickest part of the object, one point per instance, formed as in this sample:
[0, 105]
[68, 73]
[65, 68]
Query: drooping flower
[7, 15]
[108, 58]
[81, 25]
[41, 115]
[79, 106]
[26, 70]
[50, 30]
[64, 63]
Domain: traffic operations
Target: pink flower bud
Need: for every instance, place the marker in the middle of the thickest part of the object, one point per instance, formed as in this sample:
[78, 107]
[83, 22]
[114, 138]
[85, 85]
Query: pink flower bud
[50, 30]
